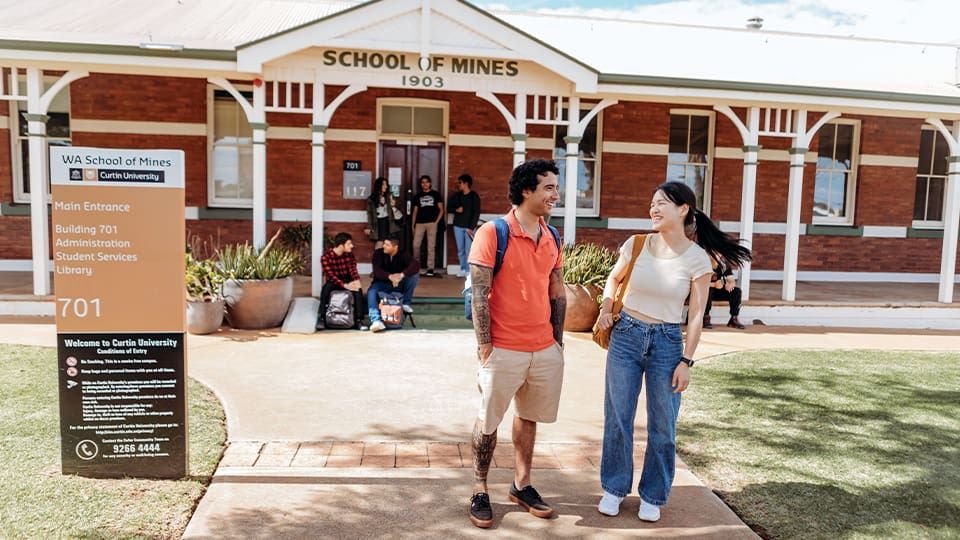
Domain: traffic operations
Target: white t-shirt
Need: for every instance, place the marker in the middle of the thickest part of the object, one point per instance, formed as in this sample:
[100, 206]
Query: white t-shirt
[657, 287]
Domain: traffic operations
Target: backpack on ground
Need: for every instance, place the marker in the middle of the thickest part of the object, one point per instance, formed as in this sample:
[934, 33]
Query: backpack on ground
[503, 240]
[391, 310]
[340, 310]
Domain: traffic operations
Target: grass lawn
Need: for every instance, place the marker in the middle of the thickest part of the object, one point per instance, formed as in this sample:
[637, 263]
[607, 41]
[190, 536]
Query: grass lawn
[37, 501]
[830, 444]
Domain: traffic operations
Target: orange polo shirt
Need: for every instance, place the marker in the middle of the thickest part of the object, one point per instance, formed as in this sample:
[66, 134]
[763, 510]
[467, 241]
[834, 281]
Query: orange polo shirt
[519, 297]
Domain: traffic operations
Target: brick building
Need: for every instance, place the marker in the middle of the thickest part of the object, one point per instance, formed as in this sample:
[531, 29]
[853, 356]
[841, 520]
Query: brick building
[839, 165]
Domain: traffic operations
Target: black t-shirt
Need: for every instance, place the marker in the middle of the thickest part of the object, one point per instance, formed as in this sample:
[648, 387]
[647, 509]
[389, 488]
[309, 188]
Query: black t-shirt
[427, 202]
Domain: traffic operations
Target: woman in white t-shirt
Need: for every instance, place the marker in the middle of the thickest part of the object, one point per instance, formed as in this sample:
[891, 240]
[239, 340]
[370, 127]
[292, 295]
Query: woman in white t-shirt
[646, 345]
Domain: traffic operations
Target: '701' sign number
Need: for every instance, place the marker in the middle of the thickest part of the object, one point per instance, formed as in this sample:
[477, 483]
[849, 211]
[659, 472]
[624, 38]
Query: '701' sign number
[79, 307]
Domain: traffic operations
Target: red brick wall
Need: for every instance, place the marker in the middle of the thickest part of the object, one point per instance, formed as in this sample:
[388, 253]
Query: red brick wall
[15, 237]
[846, 254]
[134, 97]
[627, 183]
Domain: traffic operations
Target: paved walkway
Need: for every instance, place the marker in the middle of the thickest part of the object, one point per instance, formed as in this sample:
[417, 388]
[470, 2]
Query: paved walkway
[359, 435]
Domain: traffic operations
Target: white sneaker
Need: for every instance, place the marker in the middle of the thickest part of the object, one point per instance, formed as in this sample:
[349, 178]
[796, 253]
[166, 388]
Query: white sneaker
[378, 326]
[609, 504]
[408, 309]
[648, 512]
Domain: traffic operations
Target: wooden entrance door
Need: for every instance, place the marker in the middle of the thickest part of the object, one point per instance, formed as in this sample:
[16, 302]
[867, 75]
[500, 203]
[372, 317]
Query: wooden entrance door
[415, 160]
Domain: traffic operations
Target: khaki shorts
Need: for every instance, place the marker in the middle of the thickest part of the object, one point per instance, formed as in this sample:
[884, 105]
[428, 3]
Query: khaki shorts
[532, 380]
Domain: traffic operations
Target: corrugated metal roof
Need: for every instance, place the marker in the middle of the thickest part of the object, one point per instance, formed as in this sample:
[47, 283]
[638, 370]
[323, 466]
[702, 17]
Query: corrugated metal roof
[201, 24]
[614, 47]
[726, 54]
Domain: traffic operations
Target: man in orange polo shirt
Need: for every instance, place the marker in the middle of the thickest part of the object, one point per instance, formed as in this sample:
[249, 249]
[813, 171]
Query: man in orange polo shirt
[518, 317]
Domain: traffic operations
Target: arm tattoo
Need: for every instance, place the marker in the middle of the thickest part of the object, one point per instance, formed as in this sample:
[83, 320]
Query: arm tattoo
[558, 304]
[483, 446]
[481, 279]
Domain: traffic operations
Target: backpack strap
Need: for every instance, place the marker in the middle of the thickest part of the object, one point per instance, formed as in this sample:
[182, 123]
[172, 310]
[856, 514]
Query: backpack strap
[503, 238]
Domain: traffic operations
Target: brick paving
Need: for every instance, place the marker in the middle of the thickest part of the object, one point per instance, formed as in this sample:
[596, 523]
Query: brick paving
[390, 455]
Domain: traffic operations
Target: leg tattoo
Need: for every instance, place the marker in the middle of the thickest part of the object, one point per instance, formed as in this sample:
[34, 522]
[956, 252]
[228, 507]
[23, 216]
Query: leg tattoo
[483, 446]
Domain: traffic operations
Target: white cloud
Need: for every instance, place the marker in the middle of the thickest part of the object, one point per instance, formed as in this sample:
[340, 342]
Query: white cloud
[936, 21]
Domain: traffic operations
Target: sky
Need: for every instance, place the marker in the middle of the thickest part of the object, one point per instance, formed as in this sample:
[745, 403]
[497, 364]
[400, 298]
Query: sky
[933, 21]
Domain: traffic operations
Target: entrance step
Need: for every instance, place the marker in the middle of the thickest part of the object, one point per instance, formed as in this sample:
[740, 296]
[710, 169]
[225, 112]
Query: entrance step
[440, 313]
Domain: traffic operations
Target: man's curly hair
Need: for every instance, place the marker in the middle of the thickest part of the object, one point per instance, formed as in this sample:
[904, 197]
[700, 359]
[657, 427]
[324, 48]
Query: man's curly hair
[525, 176]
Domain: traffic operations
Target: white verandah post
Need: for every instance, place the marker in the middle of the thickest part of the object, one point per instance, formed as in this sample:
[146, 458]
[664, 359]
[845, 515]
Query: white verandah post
[319, 120]
[951, 214]
[259, 125]
[519, 130]
[38, 103]
[750, 133]
[318, 132]
[574, 135]
[37, 133]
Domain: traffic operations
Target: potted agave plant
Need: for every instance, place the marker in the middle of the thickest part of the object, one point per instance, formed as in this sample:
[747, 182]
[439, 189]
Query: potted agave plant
[586, 267]
[204, 296]
[258, 286]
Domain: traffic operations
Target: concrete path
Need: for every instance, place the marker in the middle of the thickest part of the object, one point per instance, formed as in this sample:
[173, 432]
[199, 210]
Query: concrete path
[348, 434]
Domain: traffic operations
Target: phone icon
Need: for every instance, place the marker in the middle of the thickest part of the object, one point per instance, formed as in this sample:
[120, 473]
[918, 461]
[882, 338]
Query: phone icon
[87, 450]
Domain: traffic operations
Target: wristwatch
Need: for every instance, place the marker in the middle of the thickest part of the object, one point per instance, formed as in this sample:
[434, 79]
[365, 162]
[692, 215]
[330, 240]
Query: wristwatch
[687, 361]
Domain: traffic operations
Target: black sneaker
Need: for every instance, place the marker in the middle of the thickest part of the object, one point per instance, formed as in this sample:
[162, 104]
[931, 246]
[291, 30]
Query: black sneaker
[431, 273]
[531, 501]
[481, 513]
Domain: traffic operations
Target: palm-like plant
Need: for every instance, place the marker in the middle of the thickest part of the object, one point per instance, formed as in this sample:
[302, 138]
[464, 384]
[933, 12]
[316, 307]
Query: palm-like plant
[587, 264]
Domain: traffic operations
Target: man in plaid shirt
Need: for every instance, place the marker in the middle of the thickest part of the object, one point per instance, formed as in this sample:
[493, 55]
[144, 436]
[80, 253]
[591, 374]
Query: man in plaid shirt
[340, 273]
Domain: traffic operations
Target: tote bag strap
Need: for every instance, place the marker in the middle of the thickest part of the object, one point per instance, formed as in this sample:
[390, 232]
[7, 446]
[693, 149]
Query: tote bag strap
[638, 241]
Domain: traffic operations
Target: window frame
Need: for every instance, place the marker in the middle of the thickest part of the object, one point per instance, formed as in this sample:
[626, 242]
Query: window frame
[413, 103]
[711, 151]
[922, 223]
[594, 211]
[212, 200]
[15, 107]
[851, 192]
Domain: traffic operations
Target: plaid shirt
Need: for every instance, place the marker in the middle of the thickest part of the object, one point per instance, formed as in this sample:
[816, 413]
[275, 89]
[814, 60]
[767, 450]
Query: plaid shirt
[339, 269]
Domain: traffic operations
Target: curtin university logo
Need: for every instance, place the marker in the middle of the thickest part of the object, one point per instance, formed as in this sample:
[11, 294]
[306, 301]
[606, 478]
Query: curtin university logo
[124, 176]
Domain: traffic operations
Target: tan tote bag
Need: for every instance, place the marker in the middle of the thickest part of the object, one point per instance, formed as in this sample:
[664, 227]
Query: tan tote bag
[602, 337]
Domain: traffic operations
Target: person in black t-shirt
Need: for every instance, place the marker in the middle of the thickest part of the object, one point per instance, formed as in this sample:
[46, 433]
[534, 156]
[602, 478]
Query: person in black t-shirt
[427, 213]
[465, 207]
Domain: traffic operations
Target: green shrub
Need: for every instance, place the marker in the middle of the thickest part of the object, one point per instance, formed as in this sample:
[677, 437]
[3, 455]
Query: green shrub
[587, 264]
[204, 280]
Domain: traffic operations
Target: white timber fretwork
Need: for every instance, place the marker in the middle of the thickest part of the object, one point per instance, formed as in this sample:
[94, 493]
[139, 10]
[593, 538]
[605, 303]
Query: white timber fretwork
[288, 97]
[10, 78]
[548, 110]
[784, 123]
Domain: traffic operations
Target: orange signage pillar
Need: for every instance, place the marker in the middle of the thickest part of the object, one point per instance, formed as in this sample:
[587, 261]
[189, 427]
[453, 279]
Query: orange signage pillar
[118, 254]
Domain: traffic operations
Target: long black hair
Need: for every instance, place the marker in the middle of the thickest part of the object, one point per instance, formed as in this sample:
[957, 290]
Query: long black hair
[378, 189]
[715, 242]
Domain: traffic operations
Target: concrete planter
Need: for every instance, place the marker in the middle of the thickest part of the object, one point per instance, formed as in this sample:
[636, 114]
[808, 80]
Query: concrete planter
[204, 317]
[582, 307]
[257, 303]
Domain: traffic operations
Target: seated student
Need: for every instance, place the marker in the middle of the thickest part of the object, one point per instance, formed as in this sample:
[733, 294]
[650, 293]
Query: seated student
[393, 271]
[723, 286]
[340, 274]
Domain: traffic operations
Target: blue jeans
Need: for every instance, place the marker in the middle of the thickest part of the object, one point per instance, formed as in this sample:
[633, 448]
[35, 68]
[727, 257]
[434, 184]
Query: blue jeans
[407, 286]
[463, 246]
[641, 350]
